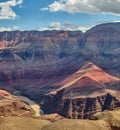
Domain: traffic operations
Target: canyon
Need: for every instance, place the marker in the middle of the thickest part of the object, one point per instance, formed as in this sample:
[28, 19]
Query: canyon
[51, 66]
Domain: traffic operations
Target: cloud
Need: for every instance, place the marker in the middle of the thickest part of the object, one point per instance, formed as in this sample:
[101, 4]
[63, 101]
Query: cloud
[4, 29]
[15, 28]
[85, 6]
[6, 11]
[8, 28]
[66, 26]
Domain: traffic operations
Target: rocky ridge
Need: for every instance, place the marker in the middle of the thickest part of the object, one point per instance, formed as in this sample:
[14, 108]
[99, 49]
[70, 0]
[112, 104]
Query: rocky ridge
[11, 106]
[80, 95]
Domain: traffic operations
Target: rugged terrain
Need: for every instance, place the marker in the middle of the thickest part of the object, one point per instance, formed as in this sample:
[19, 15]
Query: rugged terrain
[112, 117]
[32, 62]
[11, 106]
[107, 120]
[21, 123]
[80, 95]
[78, 125]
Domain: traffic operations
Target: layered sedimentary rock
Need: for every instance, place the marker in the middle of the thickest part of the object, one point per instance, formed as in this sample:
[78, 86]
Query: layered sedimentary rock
[83, 93]
[32, 61]
[36, 55]
[36, 59]
[103, 42]
[31, 54]
[11, 106]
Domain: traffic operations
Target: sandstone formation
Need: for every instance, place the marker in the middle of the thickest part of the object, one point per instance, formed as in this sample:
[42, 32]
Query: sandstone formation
[33, 59]
[51, 117]
[80, 95]
[10, 106]
[36, 59]
[103, 42]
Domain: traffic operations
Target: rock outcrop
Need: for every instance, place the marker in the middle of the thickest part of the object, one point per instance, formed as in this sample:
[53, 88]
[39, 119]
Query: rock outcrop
[111, 117]
[83, 93]
[10, 106]
[102, 45]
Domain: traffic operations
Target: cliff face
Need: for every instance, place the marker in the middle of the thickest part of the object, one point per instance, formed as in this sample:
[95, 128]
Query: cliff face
[82, 107]
[80, 95]
[102, 42]
[36, 59]
[36, 53]
[32, 54]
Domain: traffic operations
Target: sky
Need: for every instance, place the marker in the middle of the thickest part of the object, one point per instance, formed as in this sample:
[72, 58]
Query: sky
[57, 14]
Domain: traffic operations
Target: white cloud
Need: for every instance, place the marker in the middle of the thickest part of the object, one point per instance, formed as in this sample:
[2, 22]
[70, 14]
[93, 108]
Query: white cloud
[65, 26]
[55, 26]
[8, 28]
[4, 29]
[107, 21]
[6, 11]
[15, 28]
[85, 6]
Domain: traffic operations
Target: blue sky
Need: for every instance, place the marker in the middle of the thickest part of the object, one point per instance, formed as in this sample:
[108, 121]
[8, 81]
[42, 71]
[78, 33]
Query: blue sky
[56, 14]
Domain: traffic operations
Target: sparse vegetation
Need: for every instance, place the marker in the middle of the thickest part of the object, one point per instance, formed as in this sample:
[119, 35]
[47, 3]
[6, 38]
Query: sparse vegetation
[77, 125]
[21, 123]
[112, 117]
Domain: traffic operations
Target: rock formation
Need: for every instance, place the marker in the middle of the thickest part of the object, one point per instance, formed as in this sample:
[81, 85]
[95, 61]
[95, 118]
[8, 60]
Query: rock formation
[10, 106]
[80, 95]
[112, 117]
